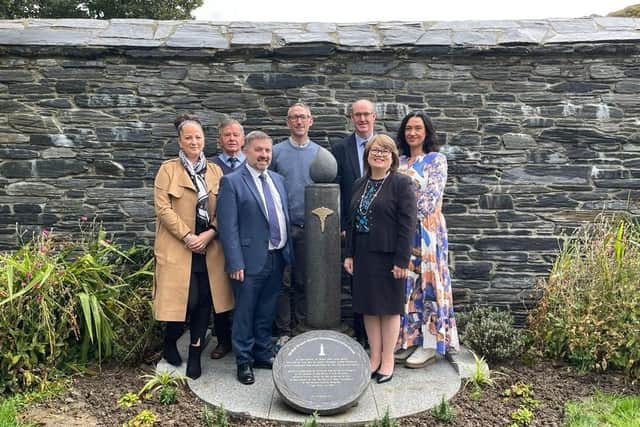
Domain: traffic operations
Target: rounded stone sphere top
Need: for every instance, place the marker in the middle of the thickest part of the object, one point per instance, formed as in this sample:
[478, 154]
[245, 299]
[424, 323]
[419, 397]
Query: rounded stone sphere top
[324, 168]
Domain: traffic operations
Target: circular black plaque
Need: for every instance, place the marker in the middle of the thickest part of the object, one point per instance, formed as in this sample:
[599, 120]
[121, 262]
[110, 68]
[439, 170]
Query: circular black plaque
[321, 371]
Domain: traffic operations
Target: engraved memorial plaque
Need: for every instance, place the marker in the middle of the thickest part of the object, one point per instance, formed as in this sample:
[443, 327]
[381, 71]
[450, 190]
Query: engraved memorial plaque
[323, 371]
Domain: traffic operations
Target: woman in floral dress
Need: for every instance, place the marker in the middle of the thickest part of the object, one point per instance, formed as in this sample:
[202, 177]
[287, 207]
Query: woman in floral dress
[428, 325]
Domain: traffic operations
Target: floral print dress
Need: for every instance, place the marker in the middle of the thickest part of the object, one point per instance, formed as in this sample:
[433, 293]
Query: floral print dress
[428, 319]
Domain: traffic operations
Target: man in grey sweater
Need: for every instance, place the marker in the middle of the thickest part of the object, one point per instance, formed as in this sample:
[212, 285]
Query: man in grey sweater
[292, 159]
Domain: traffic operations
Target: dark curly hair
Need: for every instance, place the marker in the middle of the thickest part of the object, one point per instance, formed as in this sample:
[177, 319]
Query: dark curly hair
[430, 142]
[184, 118]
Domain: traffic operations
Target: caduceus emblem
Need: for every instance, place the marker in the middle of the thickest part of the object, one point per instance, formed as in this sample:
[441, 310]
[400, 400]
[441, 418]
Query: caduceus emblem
[322, 213]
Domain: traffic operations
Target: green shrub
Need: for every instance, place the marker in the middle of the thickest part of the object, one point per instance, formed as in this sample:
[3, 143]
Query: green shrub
[71, 302]
[589, 313]
[490, 333]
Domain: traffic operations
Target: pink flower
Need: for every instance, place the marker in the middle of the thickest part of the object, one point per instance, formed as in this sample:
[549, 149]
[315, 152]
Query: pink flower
[28, 275]
[23, 284]
[83, 218]
[45, 232]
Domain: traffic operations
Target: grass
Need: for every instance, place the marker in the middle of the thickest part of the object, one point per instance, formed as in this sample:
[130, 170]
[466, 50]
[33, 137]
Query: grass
[11, 407]
[8, 413]
[604, 410]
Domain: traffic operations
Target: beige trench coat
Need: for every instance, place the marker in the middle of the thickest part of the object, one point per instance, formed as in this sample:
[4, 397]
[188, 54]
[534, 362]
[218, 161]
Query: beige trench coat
[175, 201]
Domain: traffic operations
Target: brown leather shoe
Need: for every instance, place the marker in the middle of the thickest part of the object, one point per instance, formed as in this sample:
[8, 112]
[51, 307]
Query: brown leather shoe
[220, 351]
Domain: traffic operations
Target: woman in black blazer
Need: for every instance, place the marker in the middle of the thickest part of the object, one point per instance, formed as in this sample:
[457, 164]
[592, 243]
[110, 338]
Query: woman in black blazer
[382, 219]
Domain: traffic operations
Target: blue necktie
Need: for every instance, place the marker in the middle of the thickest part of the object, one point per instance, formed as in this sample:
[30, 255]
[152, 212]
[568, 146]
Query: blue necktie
[274, 226]
[232, 162]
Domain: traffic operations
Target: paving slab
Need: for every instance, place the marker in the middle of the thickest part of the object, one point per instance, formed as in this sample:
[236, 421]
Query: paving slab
[410, 392]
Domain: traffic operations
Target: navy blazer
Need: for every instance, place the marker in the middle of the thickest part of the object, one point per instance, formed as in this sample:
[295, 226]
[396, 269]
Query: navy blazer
[392, 218]
[346, 154]
[242, 222]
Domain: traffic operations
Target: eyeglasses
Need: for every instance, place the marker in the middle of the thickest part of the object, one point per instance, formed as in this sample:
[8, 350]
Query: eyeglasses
[298, 117]
[380, 152]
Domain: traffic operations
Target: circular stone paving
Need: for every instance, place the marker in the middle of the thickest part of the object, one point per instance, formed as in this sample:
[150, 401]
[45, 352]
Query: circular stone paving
[411, 391]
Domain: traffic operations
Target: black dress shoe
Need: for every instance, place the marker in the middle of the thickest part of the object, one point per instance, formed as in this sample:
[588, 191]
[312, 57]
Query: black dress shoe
[375, 375]
[245, 374]
[263, 364]
[384, 378]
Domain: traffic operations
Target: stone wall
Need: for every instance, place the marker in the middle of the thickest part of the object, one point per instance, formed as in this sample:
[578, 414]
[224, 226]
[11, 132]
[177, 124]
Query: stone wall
[540, 120]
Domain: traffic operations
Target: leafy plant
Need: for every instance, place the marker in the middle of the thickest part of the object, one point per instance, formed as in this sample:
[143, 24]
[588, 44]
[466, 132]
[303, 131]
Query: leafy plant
[443, 412]
[127, 400]
[589, 313]
[385, 421]
[490, 333]
[521, 417]
[168, 395]
[218, 418]
[524, 392]
[64, 302]
[144, 418]
[603, 409]
[481, 375]
[311, 421]
[156, 381]
[519, 389]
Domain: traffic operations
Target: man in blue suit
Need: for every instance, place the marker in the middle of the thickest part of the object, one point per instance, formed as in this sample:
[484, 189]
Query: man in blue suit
[253, 223]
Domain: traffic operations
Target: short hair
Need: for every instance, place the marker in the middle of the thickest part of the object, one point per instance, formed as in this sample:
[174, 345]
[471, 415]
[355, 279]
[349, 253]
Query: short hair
[430, 142]
[229, 122]
[301, 105]
[385, 141]
[255, 135]
[371, 104]
[184, 118]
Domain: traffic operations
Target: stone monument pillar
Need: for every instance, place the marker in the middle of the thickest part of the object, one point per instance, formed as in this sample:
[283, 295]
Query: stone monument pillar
[322, 244]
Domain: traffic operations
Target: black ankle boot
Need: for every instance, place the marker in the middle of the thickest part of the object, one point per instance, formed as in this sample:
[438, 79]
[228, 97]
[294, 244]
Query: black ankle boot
[170, 351]
[194, 370]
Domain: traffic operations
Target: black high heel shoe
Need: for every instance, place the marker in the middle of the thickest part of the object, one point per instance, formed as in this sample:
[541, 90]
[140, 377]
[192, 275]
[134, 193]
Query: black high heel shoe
[381, 379]
[375, 373]
[194, 369]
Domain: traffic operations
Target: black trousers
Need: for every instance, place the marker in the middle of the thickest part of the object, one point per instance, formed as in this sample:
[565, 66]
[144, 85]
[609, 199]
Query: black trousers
[198, 309]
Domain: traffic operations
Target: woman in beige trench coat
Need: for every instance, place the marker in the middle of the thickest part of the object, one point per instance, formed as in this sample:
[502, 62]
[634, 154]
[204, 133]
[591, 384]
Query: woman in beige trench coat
[189, 260]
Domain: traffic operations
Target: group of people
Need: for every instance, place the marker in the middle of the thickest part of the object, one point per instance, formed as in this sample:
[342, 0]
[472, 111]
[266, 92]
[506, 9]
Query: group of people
[226, 230]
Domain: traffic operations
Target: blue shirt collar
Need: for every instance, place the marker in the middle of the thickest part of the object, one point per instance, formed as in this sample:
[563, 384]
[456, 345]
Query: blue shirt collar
[225, 157]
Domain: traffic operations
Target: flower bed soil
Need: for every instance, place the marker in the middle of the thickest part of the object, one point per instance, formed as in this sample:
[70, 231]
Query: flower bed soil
[92, 400]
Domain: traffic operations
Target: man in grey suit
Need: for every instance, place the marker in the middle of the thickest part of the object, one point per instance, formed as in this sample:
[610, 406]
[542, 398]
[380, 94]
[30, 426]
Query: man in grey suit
[253, 223]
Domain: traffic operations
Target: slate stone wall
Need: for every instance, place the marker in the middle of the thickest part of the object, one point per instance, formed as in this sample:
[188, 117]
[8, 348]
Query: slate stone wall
[540, 120]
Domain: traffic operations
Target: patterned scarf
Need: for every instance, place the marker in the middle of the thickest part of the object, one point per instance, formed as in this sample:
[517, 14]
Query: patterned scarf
[196, 172]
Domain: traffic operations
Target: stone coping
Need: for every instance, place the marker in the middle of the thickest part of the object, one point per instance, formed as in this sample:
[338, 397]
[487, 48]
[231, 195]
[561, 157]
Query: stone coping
[144, 33]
